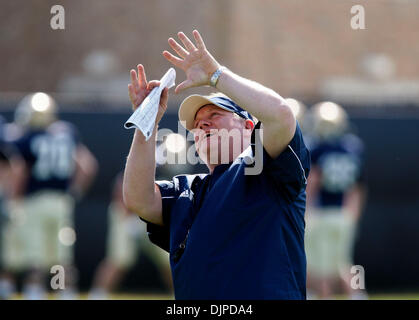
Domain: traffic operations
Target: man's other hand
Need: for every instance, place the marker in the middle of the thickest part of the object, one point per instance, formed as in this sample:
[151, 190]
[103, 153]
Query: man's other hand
[139, 89]
[195, 60]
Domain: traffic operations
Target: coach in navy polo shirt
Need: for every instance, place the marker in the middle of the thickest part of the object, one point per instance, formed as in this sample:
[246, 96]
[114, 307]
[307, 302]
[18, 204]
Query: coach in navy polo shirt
[231, 234]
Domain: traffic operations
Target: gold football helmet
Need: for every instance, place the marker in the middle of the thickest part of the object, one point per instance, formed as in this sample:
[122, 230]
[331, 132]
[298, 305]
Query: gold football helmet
[36, 110]
[329, 120]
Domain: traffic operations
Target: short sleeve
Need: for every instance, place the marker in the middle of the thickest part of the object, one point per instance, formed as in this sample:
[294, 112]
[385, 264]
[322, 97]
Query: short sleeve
[160, 235]
[358, 148]
[289, 171]
[22, 148]
[76, 135]
[315, 154]
[168, 198]
[6, 152]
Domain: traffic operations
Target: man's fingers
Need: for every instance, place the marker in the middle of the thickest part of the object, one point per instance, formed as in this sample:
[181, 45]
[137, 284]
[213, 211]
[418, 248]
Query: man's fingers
[174, 60]
[142, 80]
[198, 39]
[152, 84]
[134, 80]
[132, 95]
[183, 86]
[178, 48]
[131, 92]
[186, 42]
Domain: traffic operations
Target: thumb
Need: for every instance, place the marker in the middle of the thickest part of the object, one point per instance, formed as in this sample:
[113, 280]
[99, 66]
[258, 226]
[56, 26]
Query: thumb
[184, 85]
[164, 96]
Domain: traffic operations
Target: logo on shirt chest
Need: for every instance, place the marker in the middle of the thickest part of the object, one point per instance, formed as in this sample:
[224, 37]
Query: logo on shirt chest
[187, 194]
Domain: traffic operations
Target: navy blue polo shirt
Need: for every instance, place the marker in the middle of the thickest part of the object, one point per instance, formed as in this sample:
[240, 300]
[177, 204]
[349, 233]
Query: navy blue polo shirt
[237, 236]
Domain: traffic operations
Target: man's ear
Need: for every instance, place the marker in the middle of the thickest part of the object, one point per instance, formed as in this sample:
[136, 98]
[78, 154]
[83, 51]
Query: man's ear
[249, 124]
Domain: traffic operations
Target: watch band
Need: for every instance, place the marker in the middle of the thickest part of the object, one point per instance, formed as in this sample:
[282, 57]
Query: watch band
[215, 76]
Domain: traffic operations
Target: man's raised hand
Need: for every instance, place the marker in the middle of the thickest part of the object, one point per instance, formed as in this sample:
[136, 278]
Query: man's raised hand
[195, 60]
[139, 89]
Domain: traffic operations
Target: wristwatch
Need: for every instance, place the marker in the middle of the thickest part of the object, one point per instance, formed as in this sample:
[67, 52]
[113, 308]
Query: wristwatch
[216, 75]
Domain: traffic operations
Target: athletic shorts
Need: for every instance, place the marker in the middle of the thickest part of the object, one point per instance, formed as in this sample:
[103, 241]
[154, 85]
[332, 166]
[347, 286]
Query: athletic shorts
[127, 238]
[40, 232]
[329, 242]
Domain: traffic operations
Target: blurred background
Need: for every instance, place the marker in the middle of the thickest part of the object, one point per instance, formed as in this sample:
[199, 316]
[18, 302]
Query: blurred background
[302, 49]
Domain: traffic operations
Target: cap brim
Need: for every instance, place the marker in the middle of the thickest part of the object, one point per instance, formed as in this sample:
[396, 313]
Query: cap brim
[190, 106]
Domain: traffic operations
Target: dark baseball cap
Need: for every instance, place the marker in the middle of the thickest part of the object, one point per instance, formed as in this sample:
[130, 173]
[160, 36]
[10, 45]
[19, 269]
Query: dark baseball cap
[190, 106]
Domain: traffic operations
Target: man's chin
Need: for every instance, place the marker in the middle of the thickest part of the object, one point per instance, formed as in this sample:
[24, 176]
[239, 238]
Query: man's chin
[215, 158]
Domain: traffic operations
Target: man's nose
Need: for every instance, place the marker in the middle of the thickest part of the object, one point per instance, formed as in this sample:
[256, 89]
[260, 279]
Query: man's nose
[203, 123]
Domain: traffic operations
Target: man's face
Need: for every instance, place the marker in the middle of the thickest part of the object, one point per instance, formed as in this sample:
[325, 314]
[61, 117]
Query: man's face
[220, 136]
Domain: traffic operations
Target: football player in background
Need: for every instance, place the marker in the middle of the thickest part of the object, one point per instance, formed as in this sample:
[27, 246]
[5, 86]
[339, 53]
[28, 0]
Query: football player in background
[9, 161]
[335, 199]
[58, 168]
[127, 238]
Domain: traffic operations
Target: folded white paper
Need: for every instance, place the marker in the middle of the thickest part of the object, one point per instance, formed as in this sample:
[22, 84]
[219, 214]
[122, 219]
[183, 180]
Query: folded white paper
[144, 117]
